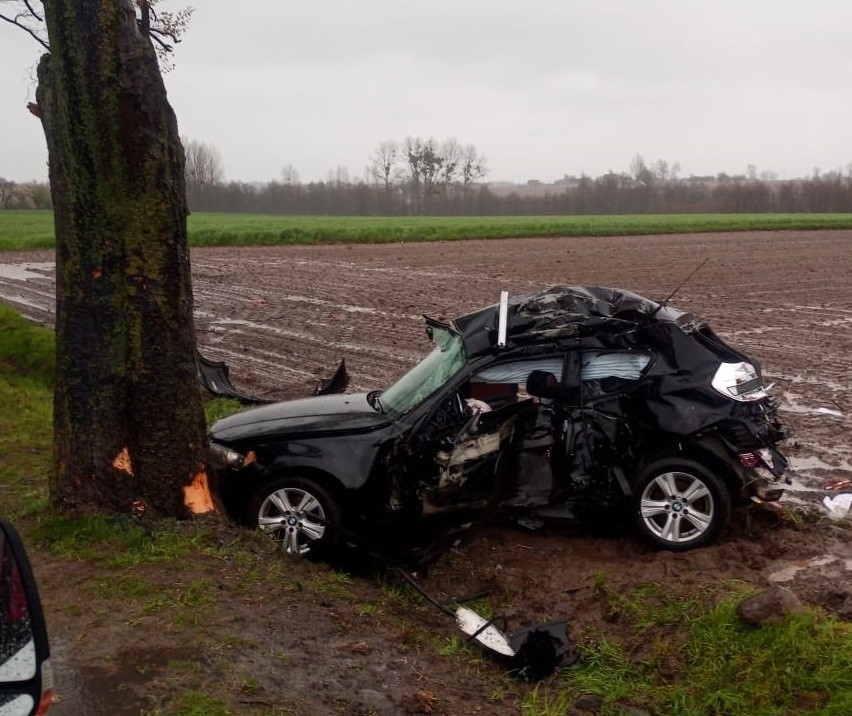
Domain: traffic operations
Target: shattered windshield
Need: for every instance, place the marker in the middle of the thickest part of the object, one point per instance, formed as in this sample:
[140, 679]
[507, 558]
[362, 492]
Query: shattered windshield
[445, 360]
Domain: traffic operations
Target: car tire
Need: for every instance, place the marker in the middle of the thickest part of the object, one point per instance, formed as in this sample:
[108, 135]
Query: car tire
[299, 512]
[679, 504]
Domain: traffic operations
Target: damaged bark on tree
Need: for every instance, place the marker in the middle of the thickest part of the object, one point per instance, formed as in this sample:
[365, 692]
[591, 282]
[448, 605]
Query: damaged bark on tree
[129, 426]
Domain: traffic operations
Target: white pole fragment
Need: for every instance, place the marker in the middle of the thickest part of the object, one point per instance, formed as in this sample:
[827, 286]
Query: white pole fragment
[504, 317]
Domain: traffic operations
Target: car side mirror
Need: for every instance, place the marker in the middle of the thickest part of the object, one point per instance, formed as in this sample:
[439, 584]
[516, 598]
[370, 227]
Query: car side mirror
[26, 679]
[542, 384]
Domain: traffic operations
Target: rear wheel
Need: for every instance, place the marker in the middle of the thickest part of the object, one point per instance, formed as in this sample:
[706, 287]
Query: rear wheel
[679, 504]
[298, 512]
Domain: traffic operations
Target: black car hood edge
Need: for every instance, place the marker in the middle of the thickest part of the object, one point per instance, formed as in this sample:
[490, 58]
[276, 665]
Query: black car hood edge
[292, 418]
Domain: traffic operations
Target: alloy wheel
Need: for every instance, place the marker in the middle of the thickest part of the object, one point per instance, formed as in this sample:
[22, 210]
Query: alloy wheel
[677, 507]
[294, 516]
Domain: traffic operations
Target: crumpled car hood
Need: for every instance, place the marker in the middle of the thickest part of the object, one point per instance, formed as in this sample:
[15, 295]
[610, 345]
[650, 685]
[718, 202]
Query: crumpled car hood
[320, 414]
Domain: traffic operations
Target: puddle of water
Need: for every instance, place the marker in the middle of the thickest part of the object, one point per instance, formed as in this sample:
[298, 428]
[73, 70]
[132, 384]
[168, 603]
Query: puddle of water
[799, 378]
[26, 271]
[791, 402]
[21, 301]
[799, 464]
[238, 323]
[789, 572]
[755, 331]
[348, 308]
[820, 308]
[835, 322]
[803, 464]
[67, 680]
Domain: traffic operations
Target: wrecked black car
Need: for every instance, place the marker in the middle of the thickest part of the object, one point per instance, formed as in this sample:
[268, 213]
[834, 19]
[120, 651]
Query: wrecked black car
[574, 403]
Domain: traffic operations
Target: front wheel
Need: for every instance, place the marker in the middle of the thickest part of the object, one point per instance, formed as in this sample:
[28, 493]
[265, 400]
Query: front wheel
[297, 511]
[679, 504]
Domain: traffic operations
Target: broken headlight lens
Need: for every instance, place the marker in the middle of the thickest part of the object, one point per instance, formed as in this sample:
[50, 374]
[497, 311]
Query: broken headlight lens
[739, 381]
[222, 457]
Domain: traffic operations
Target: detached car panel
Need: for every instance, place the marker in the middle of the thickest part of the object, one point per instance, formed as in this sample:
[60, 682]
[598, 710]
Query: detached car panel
[584, 403]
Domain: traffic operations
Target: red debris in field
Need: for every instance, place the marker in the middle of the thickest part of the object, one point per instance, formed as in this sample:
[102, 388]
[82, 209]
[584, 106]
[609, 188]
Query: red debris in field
[259, 301]
[838, 483]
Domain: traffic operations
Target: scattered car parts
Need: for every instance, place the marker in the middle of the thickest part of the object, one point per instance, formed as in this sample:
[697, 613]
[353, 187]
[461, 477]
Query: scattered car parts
[215, 377]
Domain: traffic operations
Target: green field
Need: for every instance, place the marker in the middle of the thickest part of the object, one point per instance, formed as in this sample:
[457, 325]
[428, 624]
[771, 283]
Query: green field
[22, 230]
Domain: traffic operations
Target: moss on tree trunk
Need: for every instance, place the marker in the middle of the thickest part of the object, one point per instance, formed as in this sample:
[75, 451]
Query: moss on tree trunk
[129, 428]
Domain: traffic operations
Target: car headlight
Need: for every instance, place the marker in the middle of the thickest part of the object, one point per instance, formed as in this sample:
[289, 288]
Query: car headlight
[223, 457]
[739, 381]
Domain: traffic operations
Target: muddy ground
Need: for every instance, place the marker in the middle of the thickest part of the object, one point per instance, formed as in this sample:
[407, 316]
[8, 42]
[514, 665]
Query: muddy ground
[283, 318]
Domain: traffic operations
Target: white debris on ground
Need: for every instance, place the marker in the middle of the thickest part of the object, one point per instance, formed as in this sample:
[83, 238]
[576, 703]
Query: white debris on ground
[838, 506]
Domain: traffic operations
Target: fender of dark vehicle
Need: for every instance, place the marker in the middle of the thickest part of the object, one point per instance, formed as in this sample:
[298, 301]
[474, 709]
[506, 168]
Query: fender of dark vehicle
[349, 459]
[709, 450]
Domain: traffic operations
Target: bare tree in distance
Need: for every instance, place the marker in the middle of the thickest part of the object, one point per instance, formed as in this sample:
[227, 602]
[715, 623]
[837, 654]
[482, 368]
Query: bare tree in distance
[204, 170]
[432, 169]
[289, 175]
[203, 163]
[660, 169]
[451, 153]
[474, 167]
[412, 149]
[7, 191]
[431, 164]
[129, 431]
[383, 164]
[339, 176]
[639, 170]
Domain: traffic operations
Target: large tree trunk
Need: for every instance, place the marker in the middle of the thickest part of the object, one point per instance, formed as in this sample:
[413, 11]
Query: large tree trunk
[129, 428]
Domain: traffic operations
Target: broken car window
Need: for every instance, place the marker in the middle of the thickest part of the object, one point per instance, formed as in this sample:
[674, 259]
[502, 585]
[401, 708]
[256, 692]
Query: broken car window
[445, 360]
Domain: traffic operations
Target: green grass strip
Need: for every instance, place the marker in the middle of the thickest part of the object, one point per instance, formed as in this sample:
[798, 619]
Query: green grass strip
[24, 230]
[696, 659]
[26, 351]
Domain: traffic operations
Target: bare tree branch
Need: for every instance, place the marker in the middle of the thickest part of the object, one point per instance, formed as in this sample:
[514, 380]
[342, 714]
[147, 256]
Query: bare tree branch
[33, 12]
[28, 30]
[155, 36]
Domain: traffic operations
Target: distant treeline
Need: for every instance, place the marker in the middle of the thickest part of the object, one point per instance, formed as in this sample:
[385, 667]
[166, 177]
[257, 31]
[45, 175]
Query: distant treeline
[425, 177]
[608, 194]
[420, 177]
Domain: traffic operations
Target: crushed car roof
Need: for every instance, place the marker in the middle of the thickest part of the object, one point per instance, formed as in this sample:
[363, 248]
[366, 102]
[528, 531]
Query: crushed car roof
[563, 312]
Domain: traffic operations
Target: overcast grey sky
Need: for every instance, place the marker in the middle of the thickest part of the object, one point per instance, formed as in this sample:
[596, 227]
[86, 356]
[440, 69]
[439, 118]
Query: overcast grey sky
[541, 87]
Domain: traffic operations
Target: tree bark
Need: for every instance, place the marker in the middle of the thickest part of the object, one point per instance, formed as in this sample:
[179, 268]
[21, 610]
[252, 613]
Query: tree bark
[129, 432]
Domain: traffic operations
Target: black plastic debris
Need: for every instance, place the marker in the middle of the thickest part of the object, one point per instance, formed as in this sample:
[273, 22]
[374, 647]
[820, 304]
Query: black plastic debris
[532, 653]
[336, 384]
[214, 376]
